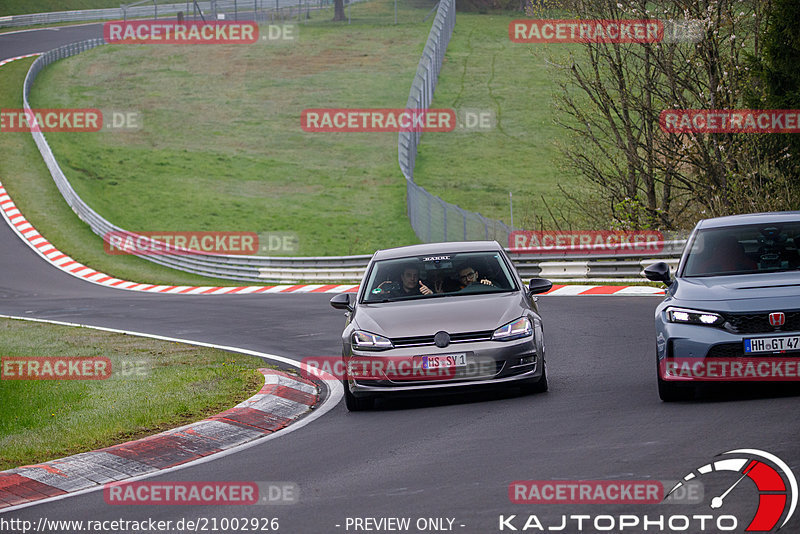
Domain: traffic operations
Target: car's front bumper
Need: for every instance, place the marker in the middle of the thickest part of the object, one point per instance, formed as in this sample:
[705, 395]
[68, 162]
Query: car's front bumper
[708, 354]
[492, 363]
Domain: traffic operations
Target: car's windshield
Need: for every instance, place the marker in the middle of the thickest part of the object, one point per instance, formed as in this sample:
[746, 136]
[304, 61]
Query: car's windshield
[744, 250]
[436, 275]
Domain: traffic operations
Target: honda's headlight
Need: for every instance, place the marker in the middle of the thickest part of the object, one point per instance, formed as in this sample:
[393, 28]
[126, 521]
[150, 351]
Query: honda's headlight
[514, 330]
[687, 316]
[369, 341]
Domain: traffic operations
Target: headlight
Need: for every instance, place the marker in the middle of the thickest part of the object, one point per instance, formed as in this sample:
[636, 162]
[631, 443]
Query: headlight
[368, 341]
[687, 316]
[513, 330]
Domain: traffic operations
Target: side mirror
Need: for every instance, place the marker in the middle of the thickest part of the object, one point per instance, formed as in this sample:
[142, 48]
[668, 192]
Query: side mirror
[540, 285]
[658, 272]
[342, 302]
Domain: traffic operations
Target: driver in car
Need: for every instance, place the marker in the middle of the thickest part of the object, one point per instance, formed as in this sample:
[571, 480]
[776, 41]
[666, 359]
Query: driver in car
[410, 284]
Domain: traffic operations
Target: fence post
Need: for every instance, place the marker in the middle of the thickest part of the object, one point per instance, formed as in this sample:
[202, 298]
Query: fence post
[430, 216]
[444, 220]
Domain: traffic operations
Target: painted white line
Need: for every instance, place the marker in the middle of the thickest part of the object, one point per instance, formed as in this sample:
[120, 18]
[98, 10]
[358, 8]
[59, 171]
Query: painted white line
[31, 30]
[335, 393]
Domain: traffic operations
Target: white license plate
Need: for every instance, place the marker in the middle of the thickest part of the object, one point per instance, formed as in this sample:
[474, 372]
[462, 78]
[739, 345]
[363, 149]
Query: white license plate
[771, 344]
[445, 361]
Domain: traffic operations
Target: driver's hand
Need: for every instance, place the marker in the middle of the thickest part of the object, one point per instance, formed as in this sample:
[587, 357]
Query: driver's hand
[486, 281]
[425, 290]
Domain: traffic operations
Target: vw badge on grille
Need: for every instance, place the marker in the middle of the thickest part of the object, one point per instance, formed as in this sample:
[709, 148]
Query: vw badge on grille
[442, 339]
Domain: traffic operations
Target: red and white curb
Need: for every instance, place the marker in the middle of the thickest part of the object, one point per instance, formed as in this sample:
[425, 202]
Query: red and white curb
[284, 404]
[282, 399]
[55, 257]
[627, 291]
[9, 60]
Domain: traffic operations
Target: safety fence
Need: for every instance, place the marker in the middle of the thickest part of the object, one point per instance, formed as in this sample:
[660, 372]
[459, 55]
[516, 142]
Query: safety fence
[432, 218]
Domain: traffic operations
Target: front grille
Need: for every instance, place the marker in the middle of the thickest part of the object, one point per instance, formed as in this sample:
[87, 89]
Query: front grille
[758, 323]
[463, 337]
[726, 350]
[736, 350]
[492, 370]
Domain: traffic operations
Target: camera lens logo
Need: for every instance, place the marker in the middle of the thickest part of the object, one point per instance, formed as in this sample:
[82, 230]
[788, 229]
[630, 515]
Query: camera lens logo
[777, 485]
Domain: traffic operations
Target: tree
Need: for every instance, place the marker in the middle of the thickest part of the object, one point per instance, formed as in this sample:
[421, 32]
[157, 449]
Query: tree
[776, 79]
[612, 95]
[338, 10]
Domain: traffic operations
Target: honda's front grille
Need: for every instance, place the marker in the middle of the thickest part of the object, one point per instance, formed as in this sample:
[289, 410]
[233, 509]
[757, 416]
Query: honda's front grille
[758, 323]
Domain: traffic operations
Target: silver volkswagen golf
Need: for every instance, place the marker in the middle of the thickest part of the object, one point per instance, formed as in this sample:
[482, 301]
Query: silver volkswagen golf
[732, 312]
[441, 316]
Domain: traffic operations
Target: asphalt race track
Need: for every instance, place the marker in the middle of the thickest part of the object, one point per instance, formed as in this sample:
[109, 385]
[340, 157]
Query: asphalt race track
[451, 457]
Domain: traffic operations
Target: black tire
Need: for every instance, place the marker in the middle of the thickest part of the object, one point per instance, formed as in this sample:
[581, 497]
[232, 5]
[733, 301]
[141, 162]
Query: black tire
[356, 404]
[539, 386]
[670, 392]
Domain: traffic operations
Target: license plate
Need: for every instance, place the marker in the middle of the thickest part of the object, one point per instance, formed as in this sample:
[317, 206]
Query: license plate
[771, 344]
[445, 361]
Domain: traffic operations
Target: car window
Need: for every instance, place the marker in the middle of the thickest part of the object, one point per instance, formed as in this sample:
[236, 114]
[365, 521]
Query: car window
[744, 250]
[441, 275]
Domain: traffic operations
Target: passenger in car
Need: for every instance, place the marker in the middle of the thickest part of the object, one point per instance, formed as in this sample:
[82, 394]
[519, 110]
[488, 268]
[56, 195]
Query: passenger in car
[468, 275]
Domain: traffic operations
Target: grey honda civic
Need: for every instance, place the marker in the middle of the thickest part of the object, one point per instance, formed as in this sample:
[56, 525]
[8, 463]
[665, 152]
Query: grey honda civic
[732, 312]
[441, 316]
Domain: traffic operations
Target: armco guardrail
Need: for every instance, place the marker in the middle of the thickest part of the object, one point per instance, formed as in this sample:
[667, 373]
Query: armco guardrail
[227, 267]
[208, 9]
[321, 269]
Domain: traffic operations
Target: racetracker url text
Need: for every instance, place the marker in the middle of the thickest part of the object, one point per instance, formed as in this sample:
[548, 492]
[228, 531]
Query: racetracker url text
[198, 524]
